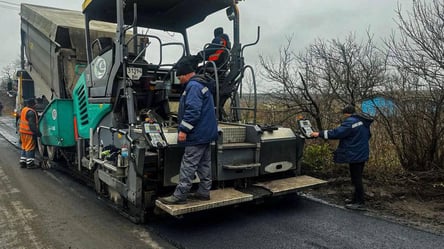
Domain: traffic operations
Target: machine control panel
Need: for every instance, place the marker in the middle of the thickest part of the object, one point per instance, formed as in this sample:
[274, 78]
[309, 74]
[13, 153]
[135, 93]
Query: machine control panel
[305, 127]
[154, 135]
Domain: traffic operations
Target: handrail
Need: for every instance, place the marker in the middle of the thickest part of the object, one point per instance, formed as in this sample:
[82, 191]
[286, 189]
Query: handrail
[161, 45]
[227, 50]
[254, 43]
[112, 129]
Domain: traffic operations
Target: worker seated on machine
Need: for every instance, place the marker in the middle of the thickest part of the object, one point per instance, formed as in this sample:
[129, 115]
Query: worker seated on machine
[217, 51]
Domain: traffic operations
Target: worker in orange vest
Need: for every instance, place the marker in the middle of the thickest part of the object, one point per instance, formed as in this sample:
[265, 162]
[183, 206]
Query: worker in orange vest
[28, 129]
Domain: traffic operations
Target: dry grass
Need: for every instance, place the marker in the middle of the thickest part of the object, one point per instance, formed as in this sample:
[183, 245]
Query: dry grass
[383, 164]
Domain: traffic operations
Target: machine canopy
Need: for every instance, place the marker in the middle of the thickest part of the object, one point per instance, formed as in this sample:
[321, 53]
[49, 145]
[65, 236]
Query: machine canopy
[168, 15]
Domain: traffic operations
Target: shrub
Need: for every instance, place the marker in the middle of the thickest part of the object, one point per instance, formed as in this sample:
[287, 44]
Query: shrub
[318, 160]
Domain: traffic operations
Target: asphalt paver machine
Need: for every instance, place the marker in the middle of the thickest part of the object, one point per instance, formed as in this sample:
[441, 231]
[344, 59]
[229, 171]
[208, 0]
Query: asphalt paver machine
[112, 114]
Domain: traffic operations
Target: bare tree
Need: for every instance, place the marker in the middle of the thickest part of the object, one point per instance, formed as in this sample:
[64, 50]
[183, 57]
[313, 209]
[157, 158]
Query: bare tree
[247, 95]
[417, 128]
[9, 70]
[284, 77]
[332, 73]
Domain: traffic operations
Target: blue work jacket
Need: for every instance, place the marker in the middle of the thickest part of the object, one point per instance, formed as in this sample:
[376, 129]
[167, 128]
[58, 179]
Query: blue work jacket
[197, 115]
[354, 135]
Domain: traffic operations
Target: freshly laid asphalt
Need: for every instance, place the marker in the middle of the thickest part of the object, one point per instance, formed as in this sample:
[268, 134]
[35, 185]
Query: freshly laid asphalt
[291, 222]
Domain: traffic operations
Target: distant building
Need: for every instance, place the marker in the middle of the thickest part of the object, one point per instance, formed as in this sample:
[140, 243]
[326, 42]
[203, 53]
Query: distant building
[382, 104]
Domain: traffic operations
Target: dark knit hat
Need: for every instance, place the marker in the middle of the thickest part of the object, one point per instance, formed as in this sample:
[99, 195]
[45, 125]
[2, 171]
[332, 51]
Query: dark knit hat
[349, 109]
[186, 65]
[218, 31]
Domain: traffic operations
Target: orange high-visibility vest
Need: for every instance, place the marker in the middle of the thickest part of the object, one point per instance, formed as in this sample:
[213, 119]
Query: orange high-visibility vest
[24, 124]
[215, 56]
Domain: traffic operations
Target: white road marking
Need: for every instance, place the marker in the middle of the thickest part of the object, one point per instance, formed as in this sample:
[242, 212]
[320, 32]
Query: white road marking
[145, 236]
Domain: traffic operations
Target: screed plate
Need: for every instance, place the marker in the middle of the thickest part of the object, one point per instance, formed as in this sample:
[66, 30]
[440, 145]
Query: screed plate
[219, 198]
[292, 184]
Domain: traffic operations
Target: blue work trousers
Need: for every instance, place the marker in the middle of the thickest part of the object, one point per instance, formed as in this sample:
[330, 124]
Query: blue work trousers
[196, 159]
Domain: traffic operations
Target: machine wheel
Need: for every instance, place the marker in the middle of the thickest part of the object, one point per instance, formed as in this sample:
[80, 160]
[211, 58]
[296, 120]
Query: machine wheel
[41, 147]
[44, 162]
[51, 151]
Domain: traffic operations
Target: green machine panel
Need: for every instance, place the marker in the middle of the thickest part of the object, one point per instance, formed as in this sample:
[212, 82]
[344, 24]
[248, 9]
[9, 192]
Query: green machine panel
[57, 124]
[88, 115]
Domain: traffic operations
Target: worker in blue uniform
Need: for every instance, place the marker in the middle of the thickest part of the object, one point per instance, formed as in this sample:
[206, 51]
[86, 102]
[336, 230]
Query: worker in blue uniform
[354, 135]
[197, 129]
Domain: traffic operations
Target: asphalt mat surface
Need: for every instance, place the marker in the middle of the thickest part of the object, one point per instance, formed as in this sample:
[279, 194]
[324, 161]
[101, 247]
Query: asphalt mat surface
[290, 222]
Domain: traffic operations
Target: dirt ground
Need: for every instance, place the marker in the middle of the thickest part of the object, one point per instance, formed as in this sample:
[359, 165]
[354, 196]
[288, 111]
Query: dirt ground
[413, 201]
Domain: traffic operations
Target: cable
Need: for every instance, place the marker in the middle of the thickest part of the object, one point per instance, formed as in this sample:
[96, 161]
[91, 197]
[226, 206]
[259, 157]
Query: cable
[6, 2]
[9, 7]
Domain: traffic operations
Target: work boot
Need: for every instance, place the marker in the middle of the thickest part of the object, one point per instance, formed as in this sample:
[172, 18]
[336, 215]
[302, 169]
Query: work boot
[356, 206]
[172, 200]
[200, 197]
[22, 164]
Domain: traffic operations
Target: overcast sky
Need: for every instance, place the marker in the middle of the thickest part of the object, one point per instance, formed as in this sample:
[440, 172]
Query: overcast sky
[278, 19]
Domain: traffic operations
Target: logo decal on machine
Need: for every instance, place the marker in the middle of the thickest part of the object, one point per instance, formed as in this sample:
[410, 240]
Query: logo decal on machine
[54, 114]
[99, 68]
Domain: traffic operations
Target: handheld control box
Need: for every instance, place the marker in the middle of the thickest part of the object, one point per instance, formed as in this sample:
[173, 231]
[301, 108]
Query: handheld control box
[305, 127]
[154, 135]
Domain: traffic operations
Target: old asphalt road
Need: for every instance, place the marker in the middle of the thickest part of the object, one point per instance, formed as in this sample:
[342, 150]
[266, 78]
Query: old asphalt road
[42, 209]
[46, 209]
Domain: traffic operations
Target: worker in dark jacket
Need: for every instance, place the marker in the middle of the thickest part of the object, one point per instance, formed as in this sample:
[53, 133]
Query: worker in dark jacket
[197, 129]
[354, 135]
[217, 50]
[28, 129]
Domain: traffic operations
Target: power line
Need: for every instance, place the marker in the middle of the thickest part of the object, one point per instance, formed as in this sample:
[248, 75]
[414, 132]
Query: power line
[8, 7]
[13, 4]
